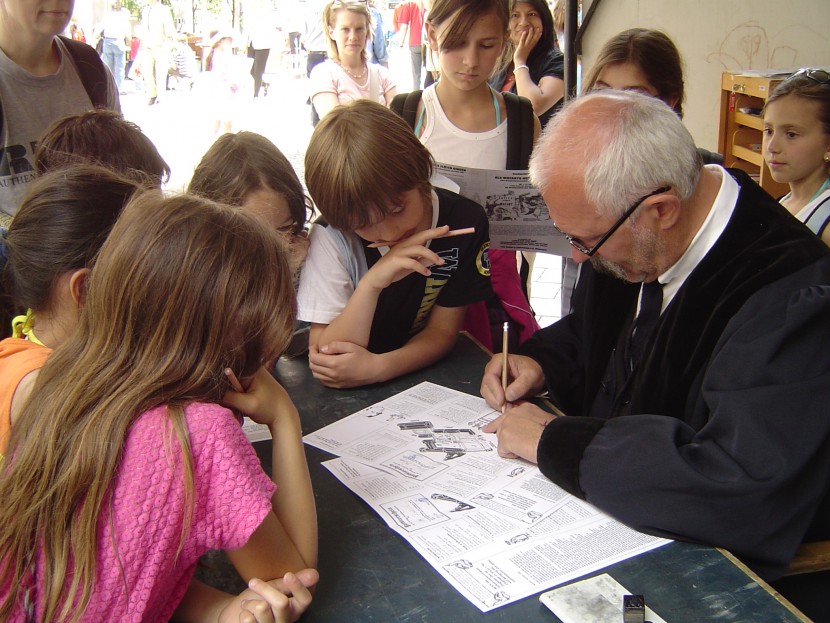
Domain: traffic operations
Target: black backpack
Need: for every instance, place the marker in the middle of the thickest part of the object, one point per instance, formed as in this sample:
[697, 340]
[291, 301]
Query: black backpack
[519, 124]
[90, 68]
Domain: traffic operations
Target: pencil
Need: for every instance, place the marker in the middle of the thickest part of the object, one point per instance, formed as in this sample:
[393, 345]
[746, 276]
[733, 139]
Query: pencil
[237, 386]
[449, 234]
[505, 329]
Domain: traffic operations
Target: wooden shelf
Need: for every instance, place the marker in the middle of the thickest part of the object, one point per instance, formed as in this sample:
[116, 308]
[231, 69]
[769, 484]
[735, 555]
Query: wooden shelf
[744, 153]
[738, 130]
[750, 121]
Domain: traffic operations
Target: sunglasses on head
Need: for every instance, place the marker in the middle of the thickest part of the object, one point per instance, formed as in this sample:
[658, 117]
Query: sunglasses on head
[816, 75]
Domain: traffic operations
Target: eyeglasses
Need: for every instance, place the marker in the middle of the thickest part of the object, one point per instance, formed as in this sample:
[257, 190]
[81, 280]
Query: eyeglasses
[580, 246]
[816, 75]
[289, 229]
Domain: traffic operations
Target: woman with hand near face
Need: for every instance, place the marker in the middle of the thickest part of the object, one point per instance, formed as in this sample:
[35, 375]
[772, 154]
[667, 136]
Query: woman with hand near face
[538, 68]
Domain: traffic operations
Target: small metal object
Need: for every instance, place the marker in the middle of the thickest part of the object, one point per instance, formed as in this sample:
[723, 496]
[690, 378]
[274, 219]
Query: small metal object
[634, 609]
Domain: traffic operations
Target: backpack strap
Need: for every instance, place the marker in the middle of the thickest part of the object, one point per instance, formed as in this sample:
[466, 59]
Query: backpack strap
[519, 131]
[91, 69]
[406, 105]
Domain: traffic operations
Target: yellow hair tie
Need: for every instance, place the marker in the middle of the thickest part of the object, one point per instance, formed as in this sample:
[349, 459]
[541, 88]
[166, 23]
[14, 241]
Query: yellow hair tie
[24, 326]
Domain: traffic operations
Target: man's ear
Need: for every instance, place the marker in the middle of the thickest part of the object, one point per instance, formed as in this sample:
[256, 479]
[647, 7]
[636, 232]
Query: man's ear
[77, 285]
[664, 209]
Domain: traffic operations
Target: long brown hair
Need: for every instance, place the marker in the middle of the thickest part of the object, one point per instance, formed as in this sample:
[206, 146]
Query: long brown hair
[73, 209]
[179, 293]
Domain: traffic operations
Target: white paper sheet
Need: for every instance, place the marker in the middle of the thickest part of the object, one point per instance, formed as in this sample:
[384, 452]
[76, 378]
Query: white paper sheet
[495, 528]
[517, 214]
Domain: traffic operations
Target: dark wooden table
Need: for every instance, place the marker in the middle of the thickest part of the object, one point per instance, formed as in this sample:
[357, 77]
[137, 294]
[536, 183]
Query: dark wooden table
[369, 573]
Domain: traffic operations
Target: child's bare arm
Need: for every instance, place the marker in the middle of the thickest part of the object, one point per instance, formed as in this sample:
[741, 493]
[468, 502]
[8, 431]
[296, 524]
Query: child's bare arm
[354, 323]
[287, 539]
[344, 364]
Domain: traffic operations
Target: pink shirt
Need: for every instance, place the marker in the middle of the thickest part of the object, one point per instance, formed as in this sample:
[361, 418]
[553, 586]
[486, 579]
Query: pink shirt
[329, 77]
[232, 498]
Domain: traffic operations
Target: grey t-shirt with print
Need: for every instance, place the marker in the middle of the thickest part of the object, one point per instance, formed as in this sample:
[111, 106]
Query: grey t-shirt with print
[30, 104]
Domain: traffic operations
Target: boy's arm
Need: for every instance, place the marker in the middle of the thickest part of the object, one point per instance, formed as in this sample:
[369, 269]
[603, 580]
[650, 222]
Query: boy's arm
[354, 323]
[343, 364]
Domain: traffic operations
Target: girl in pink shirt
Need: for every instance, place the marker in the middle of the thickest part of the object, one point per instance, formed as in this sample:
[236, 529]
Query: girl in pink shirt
[122, 468]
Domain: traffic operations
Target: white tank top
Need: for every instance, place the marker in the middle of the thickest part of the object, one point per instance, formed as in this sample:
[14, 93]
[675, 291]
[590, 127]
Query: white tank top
[451, 145]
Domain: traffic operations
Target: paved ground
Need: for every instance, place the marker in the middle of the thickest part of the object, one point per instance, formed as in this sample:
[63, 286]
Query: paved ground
[181, 126]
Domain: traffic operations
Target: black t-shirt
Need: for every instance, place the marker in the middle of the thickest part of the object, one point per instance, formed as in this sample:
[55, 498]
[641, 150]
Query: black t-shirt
[403, 308]
[550, 64]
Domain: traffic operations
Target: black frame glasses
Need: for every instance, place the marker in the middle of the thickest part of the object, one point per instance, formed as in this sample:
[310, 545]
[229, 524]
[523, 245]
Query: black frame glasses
[577, 244]
[816, 75]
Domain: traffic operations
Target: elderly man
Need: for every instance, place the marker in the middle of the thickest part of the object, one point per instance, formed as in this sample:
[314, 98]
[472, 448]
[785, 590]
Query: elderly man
[708, 421]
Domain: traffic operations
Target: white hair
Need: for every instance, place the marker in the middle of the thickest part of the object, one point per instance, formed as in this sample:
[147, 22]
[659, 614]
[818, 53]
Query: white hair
[624, 144]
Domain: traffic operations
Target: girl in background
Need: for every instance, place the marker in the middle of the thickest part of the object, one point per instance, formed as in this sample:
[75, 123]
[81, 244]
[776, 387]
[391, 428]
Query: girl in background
[537, 70]
[641, 60]
[796, 146]
[226, 81]
[247, 170]
[463, 122]
[122, 468]
[347, 75]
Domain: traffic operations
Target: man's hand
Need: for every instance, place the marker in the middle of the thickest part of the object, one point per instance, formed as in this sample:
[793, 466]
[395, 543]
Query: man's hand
[524, 376]
[519, 430]
[343, 364]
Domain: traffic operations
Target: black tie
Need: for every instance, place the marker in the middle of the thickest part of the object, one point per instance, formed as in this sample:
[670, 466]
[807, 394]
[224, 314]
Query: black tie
[650, 305]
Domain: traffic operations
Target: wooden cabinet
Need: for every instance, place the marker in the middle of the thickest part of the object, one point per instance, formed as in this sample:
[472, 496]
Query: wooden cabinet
[741, 126]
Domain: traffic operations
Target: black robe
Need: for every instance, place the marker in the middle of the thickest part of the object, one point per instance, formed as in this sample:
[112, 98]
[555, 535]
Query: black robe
[722, 433]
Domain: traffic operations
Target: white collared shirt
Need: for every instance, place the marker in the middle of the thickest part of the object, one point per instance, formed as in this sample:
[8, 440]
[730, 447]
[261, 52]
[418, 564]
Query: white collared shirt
[706, 237]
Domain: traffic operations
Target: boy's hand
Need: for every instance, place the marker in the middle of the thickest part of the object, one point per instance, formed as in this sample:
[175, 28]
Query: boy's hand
[264, 400]
[343, 364]
[277, 601]
[405, 257]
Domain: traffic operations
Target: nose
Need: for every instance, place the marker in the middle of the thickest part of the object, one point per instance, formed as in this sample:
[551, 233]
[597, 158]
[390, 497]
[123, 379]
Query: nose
[386, 232]
[471, 56]
[770, 143]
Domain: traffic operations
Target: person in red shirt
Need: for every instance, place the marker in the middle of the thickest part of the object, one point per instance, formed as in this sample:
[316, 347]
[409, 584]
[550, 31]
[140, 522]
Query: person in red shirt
[411, 19]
